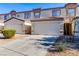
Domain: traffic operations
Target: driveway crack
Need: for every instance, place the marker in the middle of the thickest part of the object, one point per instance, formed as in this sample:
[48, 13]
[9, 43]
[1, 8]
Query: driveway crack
[15, 51]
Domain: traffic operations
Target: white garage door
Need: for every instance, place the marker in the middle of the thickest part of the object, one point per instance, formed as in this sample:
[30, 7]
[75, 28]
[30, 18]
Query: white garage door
[47, 27]
[17, 27]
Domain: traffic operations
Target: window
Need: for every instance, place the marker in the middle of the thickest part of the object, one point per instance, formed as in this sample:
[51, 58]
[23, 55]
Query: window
[37, 15]
[56, 13]
[18, 15]
[13, 15]
[71, 12]
[27, 15]
[5, 17]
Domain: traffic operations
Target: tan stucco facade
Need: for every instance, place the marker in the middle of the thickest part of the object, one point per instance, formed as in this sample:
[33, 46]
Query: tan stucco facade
[46, 18]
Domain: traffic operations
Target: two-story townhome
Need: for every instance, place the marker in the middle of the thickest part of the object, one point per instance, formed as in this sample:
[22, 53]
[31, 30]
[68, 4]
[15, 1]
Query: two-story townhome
[43, 21]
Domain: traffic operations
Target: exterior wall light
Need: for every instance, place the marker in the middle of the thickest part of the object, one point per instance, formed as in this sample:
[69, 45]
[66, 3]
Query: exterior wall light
[66, 21]
[28, 23]
[1, 24]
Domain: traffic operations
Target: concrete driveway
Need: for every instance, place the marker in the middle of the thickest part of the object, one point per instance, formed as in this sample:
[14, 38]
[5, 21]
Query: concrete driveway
[29, 45]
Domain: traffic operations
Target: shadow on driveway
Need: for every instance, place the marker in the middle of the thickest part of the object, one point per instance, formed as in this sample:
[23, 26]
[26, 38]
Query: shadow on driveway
[48, 41]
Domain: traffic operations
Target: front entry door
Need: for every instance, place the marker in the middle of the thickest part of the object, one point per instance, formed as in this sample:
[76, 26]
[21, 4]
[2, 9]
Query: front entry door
[28, 30]
[68, 29]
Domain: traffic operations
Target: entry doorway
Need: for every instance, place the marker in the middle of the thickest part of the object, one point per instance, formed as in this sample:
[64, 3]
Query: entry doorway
[28, 30]
[68, 29]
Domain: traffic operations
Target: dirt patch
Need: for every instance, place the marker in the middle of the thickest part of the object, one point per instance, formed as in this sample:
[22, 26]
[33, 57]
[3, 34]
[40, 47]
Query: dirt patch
[69, 52]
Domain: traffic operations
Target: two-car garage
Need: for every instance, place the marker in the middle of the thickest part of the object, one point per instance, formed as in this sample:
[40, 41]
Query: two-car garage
[49, 27]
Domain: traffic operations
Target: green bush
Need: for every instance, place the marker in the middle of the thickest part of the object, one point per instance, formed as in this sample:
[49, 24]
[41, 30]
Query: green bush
[60, 48]
[8, 33]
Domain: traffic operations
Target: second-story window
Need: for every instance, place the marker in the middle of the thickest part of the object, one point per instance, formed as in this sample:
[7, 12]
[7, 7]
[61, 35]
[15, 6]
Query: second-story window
[56, 13]
[27, 15]
[13, 15]
[5, 17]
[71, 12]
[37, 14]
[18, 15]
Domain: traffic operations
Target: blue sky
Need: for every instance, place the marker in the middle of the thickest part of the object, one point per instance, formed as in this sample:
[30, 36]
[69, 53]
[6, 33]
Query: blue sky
[7, 7]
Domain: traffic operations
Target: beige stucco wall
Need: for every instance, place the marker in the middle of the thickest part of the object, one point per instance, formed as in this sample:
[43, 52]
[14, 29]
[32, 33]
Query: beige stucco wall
[2, 17]
[77, 11]
[32, 15]
[63, 12]
[46, 13]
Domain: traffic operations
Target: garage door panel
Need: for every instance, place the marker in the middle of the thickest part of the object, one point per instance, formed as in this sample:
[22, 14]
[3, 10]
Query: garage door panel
[77, 27]
[50, 28]
[17, 27]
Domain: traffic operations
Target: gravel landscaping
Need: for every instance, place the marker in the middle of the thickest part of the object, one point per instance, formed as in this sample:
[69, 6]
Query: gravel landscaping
[69, 52]
[71, 49]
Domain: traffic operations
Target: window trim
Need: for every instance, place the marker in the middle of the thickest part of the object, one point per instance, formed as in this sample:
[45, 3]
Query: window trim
[67, 14]
[74, 12]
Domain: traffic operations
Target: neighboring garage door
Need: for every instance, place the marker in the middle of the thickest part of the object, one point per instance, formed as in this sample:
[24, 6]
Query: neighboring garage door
[77, 27]
[17, 27]
[47, 27]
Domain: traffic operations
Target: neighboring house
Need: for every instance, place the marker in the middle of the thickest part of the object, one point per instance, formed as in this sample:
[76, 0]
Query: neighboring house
[43, 21]
[15, 23]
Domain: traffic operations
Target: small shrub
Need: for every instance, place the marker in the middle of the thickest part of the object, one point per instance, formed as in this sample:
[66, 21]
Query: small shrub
[60, 48]
[8, 33]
